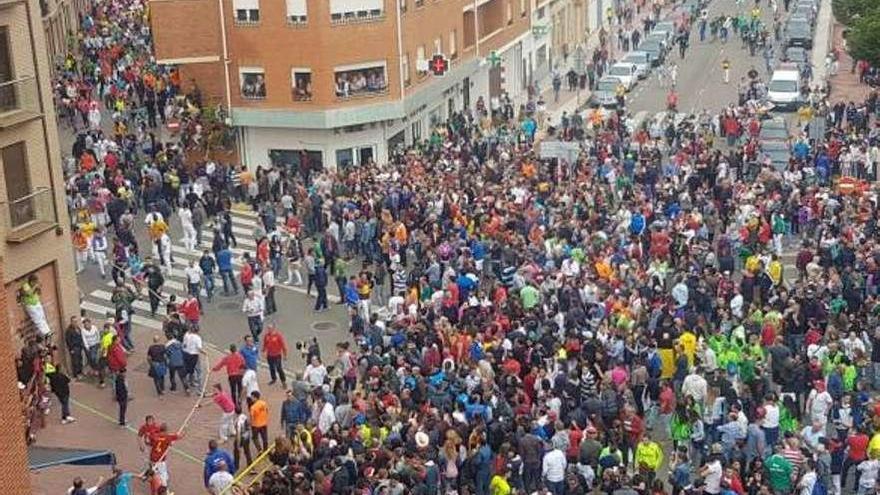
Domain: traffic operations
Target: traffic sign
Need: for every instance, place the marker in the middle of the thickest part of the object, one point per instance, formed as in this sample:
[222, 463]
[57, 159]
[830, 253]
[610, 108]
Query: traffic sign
[438, 65]
[494, 59]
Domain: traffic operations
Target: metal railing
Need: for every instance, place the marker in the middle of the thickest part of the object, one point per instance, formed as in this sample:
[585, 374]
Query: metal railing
[19, 95]
[245, 479]
[34, 208]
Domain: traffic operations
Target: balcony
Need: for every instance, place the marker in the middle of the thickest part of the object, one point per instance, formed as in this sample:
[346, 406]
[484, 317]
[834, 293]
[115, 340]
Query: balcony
[19, 101]
[30, 215]
[358, 17]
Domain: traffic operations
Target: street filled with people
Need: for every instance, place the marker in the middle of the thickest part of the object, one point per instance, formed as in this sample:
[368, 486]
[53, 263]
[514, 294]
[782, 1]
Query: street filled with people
[677, 310]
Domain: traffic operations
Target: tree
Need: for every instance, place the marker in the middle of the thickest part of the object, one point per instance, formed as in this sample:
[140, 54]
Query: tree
[863, 40]
[850, 11]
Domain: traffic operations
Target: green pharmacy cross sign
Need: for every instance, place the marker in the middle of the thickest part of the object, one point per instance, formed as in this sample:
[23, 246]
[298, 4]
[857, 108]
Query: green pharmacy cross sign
[494, 59]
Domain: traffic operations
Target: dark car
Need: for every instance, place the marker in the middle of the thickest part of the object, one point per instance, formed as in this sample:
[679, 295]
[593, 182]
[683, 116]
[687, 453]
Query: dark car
[798, 33]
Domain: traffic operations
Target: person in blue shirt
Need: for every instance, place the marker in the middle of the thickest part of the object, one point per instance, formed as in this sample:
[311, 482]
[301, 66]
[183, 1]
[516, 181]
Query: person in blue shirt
[224, 266]
[213, 458]
[250, 352]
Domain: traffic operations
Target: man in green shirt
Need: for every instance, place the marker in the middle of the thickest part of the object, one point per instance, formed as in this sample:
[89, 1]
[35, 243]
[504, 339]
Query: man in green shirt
[529, 296]
[778, 471]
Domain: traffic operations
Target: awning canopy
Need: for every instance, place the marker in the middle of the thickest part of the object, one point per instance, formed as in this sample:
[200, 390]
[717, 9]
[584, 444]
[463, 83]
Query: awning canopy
[44, 457]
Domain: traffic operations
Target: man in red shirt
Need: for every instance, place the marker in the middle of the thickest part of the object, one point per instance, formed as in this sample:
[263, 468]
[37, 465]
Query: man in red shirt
[275, 349]
[235, 366]
[191, 310]
[160, 442]
[146, 432]
[856, 452]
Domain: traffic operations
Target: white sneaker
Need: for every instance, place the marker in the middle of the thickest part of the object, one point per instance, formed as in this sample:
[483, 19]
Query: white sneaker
[71, 419]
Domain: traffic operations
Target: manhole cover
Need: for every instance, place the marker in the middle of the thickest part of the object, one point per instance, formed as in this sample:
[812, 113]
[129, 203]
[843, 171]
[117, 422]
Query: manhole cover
[324, 326]
[229, 305]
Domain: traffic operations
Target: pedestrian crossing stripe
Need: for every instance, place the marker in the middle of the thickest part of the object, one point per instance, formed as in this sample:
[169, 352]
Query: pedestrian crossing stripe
[98, 302]
[209, 236]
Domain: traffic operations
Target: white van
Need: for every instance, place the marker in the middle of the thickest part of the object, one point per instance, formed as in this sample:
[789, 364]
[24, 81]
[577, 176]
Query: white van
[784, 89]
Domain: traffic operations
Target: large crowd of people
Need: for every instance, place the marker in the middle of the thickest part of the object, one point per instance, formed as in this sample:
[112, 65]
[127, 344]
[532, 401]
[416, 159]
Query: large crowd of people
[626, 322]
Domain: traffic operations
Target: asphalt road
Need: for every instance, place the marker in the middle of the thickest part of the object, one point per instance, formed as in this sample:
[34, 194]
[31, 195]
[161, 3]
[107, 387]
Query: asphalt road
[700, 83]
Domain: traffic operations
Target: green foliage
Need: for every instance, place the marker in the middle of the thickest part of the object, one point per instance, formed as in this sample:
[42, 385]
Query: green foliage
[863, 40]
[850, 11]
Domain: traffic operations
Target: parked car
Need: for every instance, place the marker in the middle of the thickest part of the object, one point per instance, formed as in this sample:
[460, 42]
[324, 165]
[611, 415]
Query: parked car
[774, 129]
[784, 88]
[625, 72]
[605, 94]
[667, 28]
[777, 153]
[805, 11]
[655, 51]
[641, 60]
[798, 33]
[797, 55]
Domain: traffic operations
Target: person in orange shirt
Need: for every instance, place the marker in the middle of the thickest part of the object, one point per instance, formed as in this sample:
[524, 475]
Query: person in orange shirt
[81, 245]
[259, 420]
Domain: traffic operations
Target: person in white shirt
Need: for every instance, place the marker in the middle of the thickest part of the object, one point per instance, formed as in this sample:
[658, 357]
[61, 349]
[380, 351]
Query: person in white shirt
[253, 307]
[268, 279]
[192, 347]
[326, 415]
[711, 474]
[696, 386]
[189, 230]
[249, 382]
[220, 480]
[91, 343]
[868, 480]
[553, 470]
[819, 403]
[315, 373]
[193, 279]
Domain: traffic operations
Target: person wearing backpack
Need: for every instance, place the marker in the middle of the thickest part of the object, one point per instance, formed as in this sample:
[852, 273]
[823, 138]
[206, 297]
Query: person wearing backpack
[174, 359]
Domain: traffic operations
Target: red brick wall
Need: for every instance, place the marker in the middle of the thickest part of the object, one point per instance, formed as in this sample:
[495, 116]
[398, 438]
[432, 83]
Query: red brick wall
[186, 28]
[14, 474]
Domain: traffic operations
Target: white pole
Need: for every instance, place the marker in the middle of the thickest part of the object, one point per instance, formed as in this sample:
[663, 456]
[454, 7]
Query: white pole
[225, 58]
[400, 53]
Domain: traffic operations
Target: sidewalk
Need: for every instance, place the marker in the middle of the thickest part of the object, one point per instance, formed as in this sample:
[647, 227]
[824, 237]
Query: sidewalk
[845, 85]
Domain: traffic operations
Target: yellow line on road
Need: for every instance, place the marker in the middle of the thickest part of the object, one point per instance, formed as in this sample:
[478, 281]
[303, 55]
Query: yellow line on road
[107, 417]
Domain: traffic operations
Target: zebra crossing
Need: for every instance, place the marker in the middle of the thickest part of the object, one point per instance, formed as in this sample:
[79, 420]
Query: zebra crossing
[98, 305]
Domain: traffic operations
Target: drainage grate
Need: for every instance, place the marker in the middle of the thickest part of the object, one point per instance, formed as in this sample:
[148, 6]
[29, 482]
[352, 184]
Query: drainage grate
[324, 326]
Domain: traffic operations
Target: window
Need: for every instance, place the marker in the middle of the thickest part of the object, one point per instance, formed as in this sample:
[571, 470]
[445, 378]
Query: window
[402, 5]
[253, 83]
[8, 100]
[342, 11]
[453, 51]
[361, 80]
[509, 11]
[540, 13]
[344, 158]
[438, 45]
[18, 184]
[404, 67]
[301, 84]
[421, 61]
[416, 131]
[297, 12]
[246, 11]
[523, 8]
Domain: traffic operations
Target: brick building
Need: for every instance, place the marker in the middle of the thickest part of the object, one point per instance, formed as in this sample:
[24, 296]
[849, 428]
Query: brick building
[14, 474]
[34, 224]
[343, 81]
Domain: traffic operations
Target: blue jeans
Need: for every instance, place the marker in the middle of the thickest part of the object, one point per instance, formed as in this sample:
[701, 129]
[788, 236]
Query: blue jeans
[228, 280]
[209, 286]
[555, 487]
[255, 324]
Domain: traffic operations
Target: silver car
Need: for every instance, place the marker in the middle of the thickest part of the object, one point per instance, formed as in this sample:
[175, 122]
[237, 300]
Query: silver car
[605, 94]
[641, 60]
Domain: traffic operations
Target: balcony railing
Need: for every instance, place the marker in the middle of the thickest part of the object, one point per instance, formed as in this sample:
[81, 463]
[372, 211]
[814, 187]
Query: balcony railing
[360, 16]
[30, 215]
[19, 100]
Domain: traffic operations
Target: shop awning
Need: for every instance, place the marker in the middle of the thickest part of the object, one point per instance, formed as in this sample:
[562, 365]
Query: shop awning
[44, 457]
